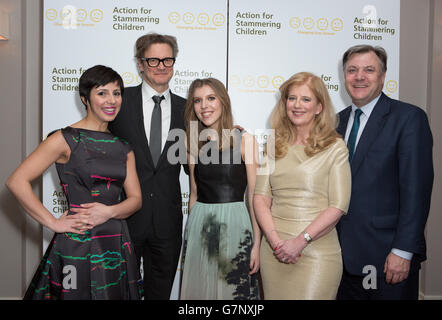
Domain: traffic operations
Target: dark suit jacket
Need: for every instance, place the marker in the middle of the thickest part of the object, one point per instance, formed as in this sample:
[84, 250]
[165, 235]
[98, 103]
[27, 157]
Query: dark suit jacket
[392, 180]
[160, 186]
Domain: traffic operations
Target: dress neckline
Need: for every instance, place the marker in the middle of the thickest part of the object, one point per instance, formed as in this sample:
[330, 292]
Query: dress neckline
[90, 130]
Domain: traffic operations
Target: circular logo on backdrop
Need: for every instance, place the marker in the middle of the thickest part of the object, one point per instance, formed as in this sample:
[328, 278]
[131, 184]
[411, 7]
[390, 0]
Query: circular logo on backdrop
[174, 17]
[309, 23]
[295, 22]
[66, 13]
[322, 24]
[51, 14]
[127, 77]
[96, 15]
[391, 86]
[81, 15]
[260, 83]
[203, 19]
[263, 81]
[235, 80]
[249, 81]
[337, 24]
[277, 81]
[218, 19]
[188, 18]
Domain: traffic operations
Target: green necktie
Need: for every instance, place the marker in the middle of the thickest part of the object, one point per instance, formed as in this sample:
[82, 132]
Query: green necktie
[351, 143]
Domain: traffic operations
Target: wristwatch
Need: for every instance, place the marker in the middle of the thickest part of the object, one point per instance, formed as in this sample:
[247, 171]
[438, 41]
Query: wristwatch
[307, 237]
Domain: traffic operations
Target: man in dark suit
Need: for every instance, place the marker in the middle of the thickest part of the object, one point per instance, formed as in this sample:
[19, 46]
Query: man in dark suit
[148, 113]
[390, 148]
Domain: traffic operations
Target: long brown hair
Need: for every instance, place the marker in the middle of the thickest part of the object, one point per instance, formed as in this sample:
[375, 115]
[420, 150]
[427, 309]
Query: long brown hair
[225, 121]
[322, 134]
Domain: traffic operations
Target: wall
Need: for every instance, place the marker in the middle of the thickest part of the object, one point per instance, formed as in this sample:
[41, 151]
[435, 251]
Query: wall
[20, 105]
[432, 277]
[420, 79]
[11, 124]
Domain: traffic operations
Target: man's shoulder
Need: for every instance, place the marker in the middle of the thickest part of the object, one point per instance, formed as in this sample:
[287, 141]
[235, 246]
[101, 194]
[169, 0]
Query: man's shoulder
[131, 93]
[403, 107]
[132, 90]
[345, 110]
[177, 98]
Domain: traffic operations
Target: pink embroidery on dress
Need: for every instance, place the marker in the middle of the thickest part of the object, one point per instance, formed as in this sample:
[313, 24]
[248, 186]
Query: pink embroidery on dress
[109, 180]
[64, 185]
[128, 246]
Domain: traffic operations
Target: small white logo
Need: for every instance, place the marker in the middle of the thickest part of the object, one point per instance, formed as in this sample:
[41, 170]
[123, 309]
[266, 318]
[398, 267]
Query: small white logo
[370, 280]
[70, 280]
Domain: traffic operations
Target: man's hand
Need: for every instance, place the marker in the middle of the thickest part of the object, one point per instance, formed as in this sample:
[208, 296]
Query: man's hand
[396, 269]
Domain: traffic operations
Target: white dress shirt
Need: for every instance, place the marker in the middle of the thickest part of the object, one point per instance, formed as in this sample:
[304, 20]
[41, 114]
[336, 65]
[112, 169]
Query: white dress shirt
[147, 92]
[365, 115]
[366, 112]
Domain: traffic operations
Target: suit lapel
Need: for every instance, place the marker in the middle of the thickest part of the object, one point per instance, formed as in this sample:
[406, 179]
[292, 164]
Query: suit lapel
[174, 111]
[372, 129]
[343, 121]
[140, 129]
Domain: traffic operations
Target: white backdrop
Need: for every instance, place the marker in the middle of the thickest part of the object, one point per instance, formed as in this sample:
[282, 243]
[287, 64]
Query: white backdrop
[243, 43]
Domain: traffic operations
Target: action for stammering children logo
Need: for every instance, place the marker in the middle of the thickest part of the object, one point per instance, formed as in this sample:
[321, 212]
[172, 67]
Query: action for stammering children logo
[391, 87]
[182, 78]
[122, 18]
[256, 83]
[133, 18]
[255, 23]
[308, 25]
[367, 25]
[71, 17]
[130, 78]
[191, 20]
[65, 78]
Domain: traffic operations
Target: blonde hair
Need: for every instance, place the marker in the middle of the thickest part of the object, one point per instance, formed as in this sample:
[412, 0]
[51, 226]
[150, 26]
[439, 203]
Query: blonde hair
[225, 121]
[322, 134]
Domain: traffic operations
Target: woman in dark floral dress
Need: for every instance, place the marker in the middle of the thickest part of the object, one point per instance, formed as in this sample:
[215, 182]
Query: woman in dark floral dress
[91, 255]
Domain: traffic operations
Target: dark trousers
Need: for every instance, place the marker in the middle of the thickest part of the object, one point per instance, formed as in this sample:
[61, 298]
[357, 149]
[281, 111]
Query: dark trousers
[351, 288]
[160, 261]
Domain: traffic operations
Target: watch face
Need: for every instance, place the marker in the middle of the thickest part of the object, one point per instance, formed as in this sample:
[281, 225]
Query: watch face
[307, 237]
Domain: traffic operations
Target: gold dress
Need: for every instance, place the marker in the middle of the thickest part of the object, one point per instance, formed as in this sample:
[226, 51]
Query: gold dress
[302, 187]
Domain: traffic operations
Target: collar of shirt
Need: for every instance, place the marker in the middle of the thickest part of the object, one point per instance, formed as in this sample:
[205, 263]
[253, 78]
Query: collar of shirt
[366, 112]
[149, 92]
[367, 109]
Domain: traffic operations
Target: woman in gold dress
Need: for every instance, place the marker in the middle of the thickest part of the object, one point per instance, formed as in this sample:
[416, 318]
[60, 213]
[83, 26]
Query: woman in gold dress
[299, 203]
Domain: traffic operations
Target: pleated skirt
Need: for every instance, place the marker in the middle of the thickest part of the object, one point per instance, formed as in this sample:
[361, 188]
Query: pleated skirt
[216, 257]
[98, 265]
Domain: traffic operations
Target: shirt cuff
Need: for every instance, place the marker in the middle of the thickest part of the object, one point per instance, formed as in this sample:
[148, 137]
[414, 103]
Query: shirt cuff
[403, 254]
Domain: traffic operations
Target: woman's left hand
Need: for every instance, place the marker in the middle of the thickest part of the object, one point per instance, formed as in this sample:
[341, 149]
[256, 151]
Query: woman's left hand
[97, 213]
[290, 250]
[254, 259]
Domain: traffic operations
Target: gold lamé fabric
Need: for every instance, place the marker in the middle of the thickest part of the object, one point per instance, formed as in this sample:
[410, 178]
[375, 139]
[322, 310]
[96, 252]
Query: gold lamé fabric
[302, 187]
